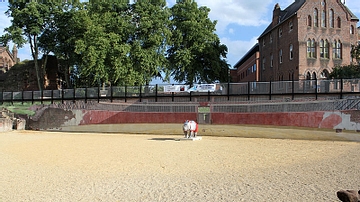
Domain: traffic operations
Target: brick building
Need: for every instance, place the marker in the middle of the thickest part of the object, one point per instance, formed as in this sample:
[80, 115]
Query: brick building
[7, 58]
[306, 40]
[247, 68]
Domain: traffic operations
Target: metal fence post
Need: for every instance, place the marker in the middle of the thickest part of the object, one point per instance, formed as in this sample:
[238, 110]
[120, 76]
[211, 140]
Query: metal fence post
[98, 94]
[2, 96]
[74, 95]
[52, 96]
[228, 91]
[156, 92]
[341, 88]
[248, 90]
[111, 94]
[85, 94]
[125, 92]
[316, 89]
[292, 88]
[140, 94]
[270, 90]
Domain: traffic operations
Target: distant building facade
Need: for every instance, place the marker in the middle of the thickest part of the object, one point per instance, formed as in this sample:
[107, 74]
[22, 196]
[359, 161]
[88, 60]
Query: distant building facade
[306, 40]
[247, 68]
[7, 58]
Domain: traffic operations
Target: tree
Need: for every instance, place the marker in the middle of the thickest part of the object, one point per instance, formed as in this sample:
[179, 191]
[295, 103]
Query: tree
[28, 23]
[67, 25]
[149, 40]
[348, 71]
[104, 49]
[195, 53]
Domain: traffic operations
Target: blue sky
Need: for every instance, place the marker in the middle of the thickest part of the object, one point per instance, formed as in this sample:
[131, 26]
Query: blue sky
[239, 22]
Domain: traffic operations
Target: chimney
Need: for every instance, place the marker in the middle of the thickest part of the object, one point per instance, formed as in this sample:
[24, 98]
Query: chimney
[276, 15]
[15, 54]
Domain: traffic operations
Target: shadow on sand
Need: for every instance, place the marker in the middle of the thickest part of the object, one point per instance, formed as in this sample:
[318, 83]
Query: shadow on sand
[165, 139]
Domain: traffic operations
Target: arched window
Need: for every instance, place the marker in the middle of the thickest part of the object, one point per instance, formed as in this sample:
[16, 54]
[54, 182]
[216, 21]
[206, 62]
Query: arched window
[316, 17]
[337, 49]
[322, 48]
[331, 18]
[311, 48]
[308, 50]
[323, 18]
[280, 56]
[338, 22]
[291, 52]
[309, 21]
[326, 49]
[308, 76]
[352, 30]
[314, 76]
[324, 74]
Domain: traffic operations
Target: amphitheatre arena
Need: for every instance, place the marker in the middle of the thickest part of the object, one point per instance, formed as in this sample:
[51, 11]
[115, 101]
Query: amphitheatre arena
[98, 153]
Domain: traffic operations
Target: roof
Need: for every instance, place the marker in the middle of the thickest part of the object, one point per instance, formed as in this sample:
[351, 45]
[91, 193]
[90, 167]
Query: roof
[353, 16]
[251, 52]
[285, 14]
[292, 10]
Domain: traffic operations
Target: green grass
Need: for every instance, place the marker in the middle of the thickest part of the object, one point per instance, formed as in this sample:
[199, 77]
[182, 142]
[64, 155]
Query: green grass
[19, 108]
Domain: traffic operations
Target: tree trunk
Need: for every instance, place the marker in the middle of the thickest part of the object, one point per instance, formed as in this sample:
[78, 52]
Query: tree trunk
[35, 54]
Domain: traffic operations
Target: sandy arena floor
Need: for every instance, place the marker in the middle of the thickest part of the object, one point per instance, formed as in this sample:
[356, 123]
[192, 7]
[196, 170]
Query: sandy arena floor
[62, 166]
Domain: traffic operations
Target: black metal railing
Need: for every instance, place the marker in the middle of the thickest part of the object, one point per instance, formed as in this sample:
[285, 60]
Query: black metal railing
[247, 90]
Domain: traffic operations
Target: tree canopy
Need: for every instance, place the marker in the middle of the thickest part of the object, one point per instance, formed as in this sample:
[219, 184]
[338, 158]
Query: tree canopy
[349, 71]
[120, 43]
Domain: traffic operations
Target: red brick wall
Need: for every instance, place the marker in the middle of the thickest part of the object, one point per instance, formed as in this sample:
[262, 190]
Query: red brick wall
[108, 117]
[299, 119]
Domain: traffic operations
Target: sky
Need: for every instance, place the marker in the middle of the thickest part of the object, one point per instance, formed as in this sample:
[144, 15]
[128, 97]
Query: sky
[239, 22]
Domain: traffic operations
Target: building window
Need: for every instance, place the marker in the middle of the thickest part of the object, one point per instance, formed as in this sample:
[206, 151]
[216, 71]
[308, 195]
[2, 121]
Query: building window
[280, 56]
[324, 49]
[291, 25]
[331, 18]
[254, 68]
[309, 21]
[263, 42]
[323, 18]
[271, 60]
[291, 51]
[316, 17]
[263, 63]
[311, 49]
[337, 53]
[280, 32]
[352, 30]
[338, 22]
[271, 38]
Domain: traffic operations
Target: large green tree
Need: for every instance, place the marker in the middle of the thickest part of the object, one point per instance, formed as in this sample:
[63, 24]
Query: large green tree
[67, 26]
[104, 48]
[28, 22]
[195, 53]
[150, 37]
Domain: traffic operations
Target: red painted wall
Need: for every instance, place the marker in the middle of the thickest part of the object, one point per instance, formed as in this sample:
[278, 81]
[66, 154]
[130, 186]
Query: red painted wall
[300, 119]
[110, 117]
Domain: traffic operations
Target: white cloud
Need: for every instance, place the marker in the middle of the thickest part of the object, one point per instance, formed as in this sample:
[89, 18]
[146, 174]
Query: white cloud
[354, 6]
[237, 48]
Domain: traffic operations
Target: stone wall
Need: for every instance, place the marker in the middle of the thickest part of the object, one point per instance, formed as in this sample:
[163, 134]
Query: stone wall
[53, 118]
